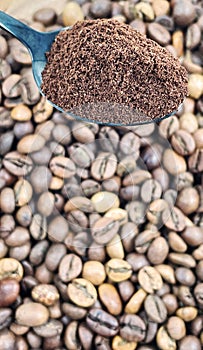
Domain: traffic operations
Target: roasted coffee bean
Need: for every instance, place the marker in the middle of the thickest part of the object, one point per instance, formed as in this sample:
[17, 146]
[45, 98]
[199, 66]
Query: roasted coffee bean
[11, 268]
[118, 270]
[73, 311]
[85, 336]
[135, 302]
[32, 314]
[5, 317]
[70, 267]
[150, 279]
[164, 340]
[17, 164]
[176, 328]
[104, 230]
[102, 322]
[45, 294]
[82, 292]
[110, 298]
[49, 329]
[144, 239]
[155, 308]
[132, 328]
[94, 272]
[189, 342]
[9, 291]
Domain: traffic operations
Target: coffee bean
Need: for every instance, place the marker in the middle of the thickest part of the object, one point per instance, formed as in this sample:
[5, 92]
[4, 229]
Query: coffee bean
[17, 164]
[38, 227]
[102, 322]
[187, 313]
[73, 311]
[86, 336]
[158, 251]
[144, 239]
[62, 167]
[176, 328]
[9, 291]
[54, 234]
[164, 341]
[32, 314]
[103, 201]
[174, 219]
[182, 259]
[71, 14]
[94, 272]
[11, 268]
[110, 298]
[198, 292]
[7, 340]
[182, 142]
[104, 230]
[82, 292]
[118, 270]
[30, 143]
[173, 162]
[150, 279]
[6, 140]
[49, 329]
[11, 85]
[183, 12]
[159, 33]
[114, 248]
[7, 200]
[189, 342]
[21, 113]
[70, 336]
[70, 267]
[18, 237]
[150, 191]
[166, 272]
[104, 166]
[4, 47]
[132, 328]
[45, 294]
[45, 16]
[5, 317]
[135, 302]
[118, 343]
[170, 302]
[155, 308]
[23, 192]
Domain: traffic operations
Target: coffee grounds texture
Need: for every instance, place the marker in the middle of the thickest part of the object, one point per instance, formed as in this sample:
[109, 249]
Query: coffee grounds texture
[108, 72]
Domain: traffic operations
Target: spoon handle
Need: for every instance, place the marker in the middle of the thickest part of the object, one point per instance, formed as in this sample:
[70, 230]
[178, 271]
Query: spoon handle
[28, 36]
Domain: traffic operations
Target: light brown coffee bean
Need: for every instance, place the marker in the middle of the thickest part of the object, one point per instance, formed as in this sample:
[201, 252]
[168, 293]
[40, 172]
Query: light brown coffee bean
[62, 167]
[193, 236]
[56, 235]
[144, 239]
[174, 219]
[18, 164]
[187, 313]
[158, 251]
[18, 237]
[166, 272]
[11, 85]
[7, 200]
[21, 113]
[150, 279]
[42, 111]
[73, 311]
[70, 267]
[23, 192]
[118, 343]
[159, 33]
[176, 327]
[164, 341]
[155, 308]
[32, 314]
[136, 302]
[103, 201]
[176, 242]
[49, 329]
[188, 200]
[110, 298]
[114, 248]
[46, 294]
[7, 340]
[104, 166]
[82, 292]
[182, 259]
[11, 268]
[173, 163]
[94, 272]
[104, 230]
[30, 143]
[118, 270]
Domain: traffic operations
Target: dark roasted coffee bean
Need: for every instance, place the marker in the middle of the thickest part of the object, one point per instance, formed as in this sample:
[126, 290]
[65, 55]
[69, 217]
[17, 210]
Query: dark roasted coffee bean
[102, 323]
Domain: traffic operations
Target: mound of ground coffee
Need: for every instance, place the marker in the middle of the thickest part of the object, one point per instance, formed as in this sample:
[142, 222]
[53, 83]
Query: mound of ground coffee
[108, 72]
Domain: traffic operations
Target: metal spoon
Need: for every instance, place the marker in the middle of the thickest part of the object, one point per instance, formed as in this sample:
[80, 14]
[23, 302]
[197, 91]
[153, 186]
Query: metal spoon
[38, 43]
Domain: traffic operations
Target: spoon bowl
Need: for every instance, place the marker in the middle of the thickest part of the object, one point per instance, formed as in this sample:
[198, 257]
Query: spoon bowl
[38, 43]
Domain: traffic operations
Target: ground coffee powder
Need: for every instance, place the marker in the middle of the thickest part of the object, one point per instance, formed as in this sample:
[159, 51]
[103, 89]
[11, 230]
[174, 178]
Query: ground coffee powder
[108, 72]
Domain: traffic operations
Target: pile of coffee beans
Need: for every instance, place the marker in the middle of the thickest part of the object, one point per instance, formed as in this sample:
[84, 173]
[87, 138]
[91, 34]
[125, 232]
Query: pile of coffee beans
[107, 71]
[101, 228]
